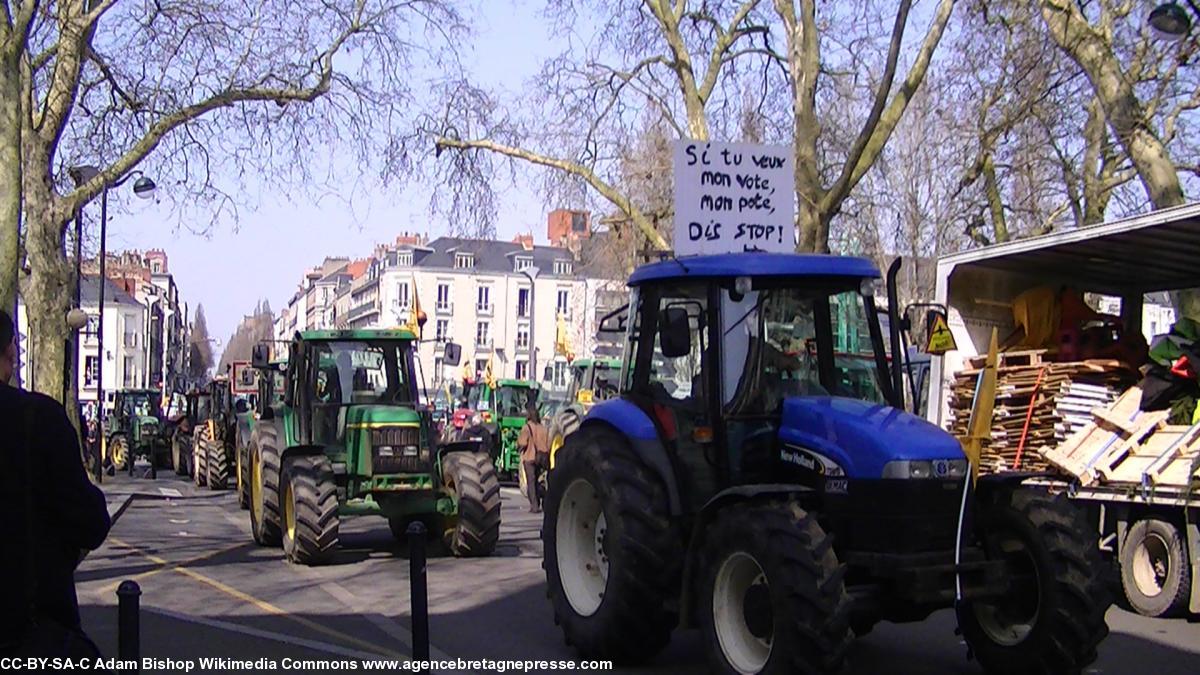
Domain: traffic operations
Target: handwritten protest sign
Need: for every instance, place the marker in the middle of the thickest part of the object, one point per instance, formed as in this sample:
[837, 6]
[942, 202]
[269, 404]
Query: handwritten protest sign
[732, 197]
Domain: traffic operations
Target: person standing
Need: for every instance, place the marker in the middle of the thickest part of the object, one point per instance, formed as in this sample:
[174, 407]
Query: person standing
[55, 513]
[534, 443]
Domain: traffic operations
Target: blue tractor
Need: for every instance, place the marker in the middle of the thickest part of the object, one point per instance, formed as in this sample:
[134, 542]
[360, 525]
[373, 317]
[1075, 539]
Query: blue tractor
[750, 481]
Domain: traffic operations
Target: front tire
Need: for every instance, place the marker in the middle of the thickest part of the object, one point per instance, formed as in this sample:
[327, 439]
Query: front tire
[611, 557]
[118, 453]
[310, 510]
[178, 460]
[472, 477]
[200, 456]
[774, 601]
[264, 490]
[1052, 621]
[243, 478]
[1154, 569]
[218, 465]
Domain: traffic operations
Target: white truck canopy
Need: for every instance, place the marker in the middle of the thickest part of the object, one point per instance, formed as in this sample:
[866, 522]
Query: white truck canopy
[1128, 258]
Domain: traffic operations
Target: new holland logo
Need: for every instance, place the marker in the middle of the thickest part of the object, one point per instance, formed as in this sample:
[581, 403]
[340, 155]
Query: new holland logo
[802, 459]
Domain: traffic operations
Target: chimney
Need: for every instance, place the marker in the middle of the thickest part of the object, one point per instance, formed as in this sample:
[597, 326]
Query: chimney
[408, 239]
[525, 240]
[565, 227]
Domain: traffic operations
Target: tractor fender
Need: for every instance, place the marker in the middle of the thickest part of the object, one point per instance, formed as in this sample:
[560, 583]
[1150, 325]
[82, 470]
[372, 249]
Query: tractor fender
[639, 430]
[724, 498]
[300, 451]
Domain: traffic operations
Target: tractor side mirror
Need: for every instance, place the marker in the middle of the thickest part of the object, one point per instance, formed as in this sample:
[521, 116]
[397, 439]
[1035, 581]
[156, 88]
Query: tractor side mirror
[260, 356]
[241, 406]
[451, 354]
[675, 334]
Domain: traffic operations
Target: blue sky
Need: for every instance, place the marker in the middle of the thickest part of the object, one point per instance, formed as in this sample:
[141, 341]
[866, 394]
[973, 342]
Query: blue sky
[264, 252]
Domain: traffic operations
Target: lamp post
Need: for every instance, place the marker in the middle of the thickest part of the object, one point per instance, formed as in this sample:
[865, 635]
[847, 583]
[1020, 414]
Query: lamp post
[531, 273]
[1170, 22]
[143, 188]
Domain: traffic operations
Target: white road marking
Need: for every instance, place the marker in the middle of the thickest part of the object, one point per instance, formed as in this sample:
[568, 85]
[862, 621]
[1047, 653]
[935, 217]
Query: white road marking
[180, 522]
[265, 634]
[170, 492]
[390, 627]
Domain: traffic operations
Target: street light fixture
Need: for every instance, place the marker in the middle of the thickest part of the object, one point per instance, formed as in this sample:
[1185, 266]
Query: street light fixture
[144, 189]
[1170, 22]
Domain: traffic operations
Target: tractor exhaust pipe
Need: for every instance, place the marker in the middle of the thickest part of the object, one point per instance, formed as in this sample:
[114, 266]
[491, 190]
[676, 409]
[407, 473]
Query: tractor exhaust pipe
[898, 357]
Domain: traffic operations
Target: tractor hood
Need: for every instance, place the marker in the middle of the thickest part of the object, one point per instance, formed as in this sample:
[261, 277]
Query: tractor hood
[861, 436]
[378, 415]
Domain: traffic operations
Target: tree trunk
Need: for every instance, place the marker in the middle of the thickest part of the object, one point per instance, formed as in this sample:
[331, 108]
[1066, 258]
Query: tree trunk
[47, 299]
[10, 179]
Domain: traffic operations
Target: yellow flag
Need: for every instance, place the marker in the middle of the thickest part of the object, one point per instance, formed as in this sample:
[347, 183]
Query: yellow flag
[562, 339]
[416, 316]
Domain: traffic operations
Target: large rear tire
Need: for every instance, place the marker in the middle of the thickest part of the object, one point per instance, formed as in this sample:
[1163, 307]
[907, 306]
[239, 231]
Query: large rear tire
[1053, 619]
[476, 529]
[243, 477]
[611, 556]
[310, 510]
[178, 459]
[773, 600]
[200, 456]
[265, 516]
[218, 465]
[1154, 569]
[118, 452]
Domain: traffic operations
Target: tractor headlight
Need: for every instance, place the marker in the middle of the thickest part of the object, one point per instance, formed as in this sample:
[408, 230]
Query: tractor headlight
[411, 451]
[924, 468]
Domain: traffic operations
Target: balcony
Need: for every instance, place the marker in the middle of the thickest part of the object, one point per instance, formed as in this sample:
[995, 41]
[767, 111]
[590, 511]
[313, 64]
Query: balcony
[485, 343]
[444, 308]
[362, 311]
[483, 308]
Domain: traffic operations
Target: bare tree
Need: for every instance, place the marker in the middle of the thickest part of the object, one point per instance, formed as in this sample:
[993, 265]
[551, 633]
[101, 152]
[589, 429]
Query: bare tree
[202, 89]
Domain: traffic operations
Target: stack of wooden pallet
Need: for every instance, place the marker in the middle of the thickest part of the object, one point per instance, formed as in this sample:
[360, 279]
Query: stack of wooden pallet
[1126, 446]
[1043, 401]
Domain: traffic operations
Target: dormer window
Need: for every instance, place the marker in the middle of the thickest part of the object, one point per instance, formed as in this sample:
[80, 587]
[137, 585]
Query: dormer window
[562, 268]
[404, 259]
[522, 263]
[464, 261]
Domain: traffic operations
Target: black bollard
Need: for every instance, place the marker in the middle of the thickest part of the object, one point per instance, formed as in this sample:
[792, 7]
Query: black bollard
[128, 623]
[419, 594]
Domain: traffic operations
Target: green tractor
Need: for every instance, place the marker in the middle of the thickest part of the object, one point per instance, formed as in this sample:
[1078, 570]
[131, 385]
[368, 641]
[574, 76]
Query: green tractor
[134, 430]
[196, 412]
[592, 381]
[350, 438]
[504, 406]
[215, 450]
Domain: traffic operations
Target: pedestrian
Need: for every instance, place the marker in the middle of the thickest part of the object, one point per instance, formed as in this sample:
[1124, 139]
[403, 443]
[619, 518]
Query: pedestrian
[54, 514]
[534, 443]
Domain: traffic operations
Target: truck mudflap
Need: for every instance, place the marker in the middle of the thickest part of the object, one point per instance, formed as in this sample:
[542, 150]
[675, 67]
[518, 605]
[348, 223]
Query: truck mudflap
[930, 579]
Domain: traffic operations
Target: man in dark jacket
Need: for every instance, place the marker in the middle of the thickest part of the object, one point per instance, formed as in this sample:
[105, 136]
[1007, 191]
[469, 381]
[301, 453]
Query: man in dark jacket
[39, 452]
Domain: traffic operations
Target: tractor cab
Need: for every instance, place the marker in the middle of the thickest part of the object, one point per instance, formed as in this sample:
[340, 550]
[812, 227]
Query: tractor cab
[137, 413]
[593, 380]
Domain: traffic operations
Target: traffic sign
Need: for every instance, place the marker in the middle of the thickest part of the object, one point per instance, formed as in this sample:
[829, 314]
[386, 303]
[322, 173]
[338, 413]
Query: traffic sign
[940, 340]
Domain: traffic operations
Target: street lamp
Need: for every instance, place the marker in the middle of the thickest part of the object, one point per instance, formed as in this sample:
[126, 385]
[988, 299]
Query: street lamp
[143, 188]
[531, 273]
[1170, 22]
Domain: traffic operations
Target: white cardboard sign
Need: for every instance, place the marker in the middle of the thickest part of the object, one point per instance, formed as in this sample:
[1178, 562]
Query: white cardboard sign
[733, 197]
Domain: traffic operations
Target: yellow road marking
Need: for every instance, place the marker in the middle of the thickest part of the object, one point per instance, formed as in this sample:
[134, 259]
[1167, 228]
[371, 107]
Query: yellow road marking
[164, 565]
[261, 604]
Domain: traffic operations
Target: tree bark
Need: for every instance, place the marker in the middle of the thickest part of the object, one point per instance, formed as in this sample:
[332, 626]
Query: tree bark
[10, 178]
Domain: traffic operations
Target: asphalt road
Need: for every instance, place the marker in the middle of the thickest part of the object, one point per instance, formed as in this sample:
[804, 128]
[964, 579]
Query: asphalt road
[209, 591]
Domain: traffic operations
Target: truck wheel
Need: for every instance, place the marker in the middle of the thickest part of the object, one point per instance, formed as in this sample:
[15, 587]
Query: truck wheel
[1154, 569]
[243, 479]
[118, 453]
[310, 510]
[611, 557]
[773, 597]
[200, 457]
[218, 465]
[1051, 620]
[472, 477]
[178, 461]
[264, 490]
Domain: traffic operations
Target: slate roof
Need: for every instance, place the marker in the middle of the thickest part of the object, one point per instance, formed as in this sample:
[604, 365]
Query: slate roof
[490, 255]
[89, 291]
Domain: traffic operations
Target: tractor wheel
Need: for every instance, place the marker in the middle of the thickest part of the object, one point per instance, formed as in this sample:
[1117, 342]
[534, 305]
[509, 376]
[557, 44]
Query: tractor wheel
[1154, 569]
[178, 460]
[310, 510]
[476, 528]
[118, 453]
[1053, 617]
[200, 456]
[218, 465]
[264, 489]
[772, 598]
[564, 425]
[611, 556]
[243, 478]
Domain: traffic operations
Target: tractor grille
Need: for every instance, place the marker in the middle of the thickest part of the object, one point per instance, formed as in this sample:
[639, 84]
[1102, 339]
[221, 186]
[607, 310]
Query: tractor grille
[398, 450]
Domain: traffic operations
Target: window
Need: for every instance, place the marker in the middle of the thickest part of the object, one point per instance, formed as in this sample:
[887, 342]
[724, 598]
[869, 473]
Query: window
[404, 259]
[560, 375]
[91, 371]
[483, 299]
[523, 302]
[131, 338]
[522, 263]
[522, 370]
[563, 305]
[482, 336]
[523, 336]
[464, 261]
[679, 378]
[443, 328]
[93, 324]
[578, 222]
[562, 268]
[355, 372]
[443, 296]
[402, 295]
[438, 364]
[127, 374]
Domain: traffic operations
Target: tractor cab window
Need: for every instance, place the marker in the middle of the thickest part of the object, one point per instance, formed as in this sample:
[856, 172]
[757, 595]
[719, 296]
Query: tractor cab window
[798, 341]
[604, 381]
[512, 401]
[477, 399]
[680, 344]
[203, 407]
[352, 373]
[138, 406]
